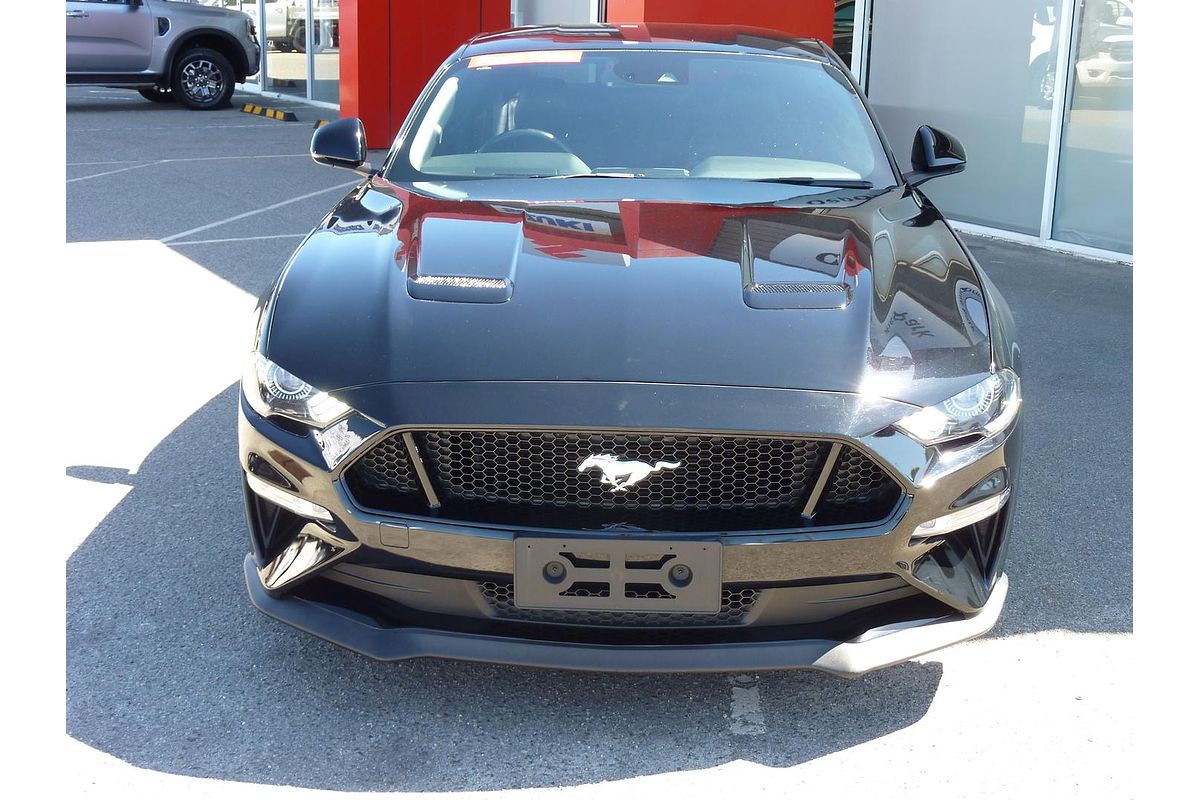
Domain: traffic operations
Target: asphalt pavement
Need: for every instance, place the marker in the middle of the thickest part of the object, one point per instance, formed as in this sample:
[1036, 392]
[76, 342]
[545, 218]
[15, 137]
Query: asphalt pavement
[177, 220]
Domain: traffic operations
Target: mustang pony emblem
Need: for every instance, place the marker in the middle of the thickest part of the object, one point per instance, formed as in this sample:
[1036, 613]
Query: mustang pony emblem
[619, 473]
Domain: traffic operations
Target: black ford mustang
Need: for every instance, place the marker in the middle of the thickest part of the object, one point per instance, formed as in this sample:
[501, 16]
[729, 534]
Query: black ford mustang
[638, 352]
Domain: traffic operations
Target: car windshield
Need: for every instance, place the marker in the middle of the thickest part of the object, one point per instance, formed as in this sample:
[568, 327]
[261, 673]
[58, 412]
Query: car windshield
[651, 114]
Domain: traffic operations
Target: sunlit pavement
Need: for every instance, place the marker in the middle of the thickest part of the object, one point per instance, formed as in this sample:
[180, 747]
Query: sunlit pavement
[178, 687]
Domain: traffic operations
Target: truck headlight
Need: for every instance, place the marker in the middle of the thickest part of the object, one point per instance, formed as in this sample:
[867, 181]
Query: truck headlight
[981, 410]
[273, 391]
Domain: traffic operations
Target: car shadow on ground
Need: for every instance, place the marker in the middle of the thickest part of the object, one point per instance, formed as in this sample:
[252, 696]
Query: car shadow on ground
[170, 668]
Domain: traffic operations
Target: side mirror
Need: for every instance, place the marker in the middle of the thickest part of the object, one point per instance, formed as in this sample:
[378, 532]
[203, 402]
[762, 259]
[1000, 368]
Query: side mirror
[341, 143]
[934, 153]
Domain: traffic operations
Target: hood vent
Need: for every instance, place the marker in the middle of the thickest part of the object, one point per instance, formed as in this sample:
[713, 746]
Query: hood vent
[456, 260]
[459, 281]
[797, 288]
[796, 295]
[773, 252]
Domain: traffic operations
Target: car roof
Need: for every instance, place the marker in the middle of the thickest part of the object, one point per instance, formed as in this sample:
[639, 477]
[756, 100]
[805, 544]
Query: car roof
[654, 35]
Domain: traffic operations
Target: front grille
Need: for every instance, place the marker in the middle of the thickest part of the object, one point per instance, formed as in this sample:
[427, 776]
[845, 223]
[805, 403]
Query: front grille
[856, 484]
[735, 605]
[385, 469]
[1121, 51]
[700, 482]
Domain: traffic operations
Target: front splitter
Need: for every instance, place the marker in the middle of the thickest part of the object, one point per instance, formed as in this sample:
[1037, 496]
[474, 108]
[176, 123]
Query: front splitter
[874, 649]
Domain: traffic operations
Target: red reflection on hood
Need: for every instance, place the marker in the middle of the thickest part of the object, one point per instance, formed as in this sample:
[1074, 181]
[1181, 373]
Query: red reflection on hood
[851, 262]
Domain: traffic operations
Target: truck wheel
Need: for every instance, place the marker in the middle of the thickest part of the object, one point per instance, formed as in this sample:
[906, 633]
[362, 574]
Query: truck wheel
[203, 79]
[1041, 82]
[298, 41]
[158, 94]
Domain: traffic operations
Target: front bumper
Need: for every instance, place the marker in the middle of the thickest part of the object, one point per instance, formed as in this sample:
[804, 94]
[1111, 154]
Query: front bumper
[845, 600]
[874, 649]
[1103, 71]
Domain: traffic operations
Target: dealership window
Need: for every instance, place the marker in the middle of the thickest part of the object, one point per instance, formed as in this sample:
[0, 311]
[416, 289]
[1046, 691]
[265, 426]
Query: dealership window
[1094, 201]
[325, 50]
[971, 69]
[301, 46]
[287, 61]
[547, 12]
[1038, 91]
[843, 30]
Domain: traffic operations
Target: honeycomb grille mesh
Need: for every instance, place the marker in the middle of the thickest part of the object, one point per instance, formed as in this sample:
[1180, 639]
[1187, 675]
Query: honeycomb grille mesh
[386, 468]
[543, 469]
[699, 482]
[856, 479]
[735, 605]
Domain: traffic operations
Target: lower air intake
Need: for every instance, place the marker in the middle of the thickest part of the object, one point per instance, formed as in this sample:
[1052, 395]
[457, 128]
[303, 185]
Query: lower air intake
[735, 605]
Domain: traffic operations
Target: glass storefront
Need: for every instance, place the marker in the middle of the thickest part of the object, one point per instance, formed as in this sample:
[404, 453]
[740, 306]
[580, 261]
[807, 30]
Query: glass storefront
[325, 50]
[539, 12]
[285, 32]
[1094, 205]
[300, 45]
[1049, 155]
[928, 68]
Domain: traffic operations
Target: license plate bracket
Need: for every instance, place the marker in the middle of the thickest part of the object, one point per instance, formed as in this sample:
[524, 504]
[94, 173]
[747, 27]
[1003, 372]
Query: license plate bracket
[617, 575]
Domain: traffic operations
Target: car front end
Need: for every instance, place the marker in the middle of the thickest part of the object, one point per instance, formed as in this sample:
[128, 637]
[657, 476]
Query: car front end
[628, 423]
[886, 564]
[1110, 67]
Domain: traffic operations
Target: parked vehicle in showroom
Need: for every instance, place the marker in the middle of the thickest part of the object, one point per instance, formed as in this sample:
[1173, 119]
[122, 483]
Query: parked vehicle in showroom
[284, 22]
[637, 352]
[1104, 59]
[167, 50]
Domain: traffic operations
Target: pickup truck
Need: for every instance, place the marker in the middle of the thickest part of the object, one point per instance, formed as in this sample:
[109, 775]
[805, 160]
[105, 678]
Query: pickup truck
[166, 50]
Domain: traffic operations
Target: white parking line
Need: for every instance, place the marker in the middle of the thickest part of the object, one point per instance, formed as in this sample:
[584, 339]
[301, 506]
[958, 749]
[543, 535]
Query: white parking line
[240, 239]
[169, 161]
[182, 160]
[745, 707]
[243, 215]
[113, 172]
[102, 163]
[238, 158]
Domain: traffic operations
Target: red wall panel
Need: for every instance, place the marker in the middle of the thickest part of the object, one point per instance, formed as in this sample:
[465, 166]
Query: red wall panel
[800, 17]
[389, 50]
[363, 60]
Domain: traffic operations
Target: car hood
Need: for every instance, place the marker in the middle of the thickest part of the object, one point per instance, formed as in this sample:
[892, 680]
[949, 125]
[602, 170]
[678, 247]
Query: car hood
[855, 291]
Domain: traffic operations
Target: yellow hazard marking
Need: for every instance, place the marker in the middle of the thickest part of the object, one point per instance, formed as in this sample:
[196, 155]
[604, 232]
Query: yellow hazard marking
[270, 113]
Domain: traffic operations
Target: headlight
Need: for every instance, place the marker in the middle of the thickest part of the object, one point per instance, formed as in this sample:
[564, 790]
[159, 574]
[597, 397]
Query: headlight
[272, 390]
[983, 409]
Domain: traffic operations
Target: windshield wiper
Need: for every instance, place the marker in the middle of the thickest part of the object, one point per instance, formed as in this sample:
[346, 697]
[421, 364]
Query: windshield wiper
[837, 183]
[595, 175]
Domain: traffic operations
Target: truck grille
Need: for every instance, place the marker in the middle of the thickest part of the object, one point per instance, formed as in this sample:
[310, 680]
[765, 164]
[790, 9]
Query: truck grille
[703, 482]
